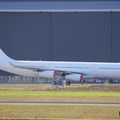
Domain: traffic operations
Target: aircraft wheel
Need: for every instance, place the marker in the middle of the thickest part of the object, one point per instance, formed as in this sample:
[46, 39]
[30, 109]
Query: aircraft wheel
[68, 82]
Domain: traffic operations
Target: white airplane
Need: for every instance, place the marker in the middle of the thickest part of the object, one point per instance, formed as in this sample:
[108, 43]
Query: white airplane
[75, 71]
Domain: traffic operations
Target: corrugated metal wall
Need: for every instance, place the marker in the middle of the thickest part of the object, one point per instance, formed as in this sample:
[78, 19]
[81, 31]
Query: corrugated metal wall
[53, 0]
[79, 36]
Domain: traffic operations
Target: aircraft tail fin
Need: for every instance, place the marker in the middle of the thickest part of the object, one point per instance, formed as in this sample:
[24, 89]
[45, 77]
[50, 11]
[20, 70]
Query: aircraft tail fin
[3, 56]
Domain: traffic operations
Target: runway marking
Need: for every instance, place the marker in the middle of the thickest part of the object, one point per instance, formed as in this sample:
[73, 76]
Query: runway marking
[58, 103]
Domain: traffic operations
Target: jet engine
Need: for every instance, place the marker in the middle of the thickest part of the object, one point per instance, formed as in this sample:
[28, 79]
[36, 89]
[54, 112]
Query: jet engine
[73, 77]
[47, 74]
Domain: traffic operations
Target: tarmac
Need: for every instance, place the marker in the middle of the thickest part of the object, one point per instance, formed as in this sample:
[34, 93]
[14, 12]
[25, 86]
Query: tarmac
[59, 103]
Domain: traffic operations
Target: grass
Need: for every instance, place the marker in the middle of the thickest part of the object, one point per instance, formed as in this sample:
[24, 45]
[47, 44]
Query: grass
[61, 112]
[46, 93]
[60, 98]
[85, 93]
[33, 92]
[46, 87]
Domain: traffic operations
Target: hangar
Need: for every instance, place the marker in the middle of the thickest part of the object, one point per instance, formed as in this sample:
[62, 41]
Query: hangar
[63, 31]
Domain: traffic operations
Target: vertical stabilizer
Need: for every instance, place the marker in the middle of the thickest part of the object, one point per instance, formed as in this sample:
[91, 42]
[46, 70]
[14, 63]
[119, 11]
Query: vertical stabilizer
[3, 56]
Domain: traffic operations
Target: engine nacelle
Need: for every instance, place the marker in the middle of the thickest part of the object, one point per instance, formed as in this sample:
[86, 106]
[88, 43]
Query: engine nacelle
[74, 77]
[47, 74]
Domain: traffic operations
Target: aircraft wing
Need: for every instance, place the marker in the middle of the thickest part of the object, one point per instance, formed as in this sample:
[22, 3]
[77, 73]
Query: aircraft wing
[42, 68]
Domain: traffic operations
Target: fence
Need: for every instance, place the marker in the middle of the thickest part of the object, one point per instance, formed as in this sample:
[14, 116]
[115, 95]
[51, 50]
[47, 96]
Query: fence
[22, 80]
[12, 79]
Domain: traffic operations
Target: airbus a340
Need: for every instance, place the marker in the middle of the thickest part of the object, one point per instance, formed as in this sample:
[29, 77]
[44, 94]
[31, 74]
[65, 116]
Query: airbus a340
[75, 71]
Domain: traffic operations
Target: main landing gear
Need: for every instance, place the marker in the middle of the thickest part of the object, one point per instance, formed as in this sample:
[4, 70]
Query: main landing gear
[60, 80]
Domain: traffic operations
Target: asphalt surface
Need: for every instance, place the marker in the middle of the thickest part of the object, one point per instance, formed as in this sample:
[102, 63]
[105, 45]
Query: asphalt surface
[58, 103]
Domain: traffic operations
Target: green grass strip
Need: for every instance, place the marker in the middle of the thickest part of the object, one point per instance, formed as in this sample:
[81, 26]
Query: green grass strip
[46, 93]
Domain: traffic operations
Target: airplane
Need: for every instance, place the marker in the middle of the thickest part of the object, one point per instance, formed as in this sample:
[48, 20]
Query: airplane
[75, 71]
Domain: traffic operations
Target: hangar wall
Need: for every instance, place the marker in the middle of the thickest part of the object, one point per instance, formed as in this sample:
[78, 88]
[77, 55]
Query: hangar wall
[53, 0]
[69, 36]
